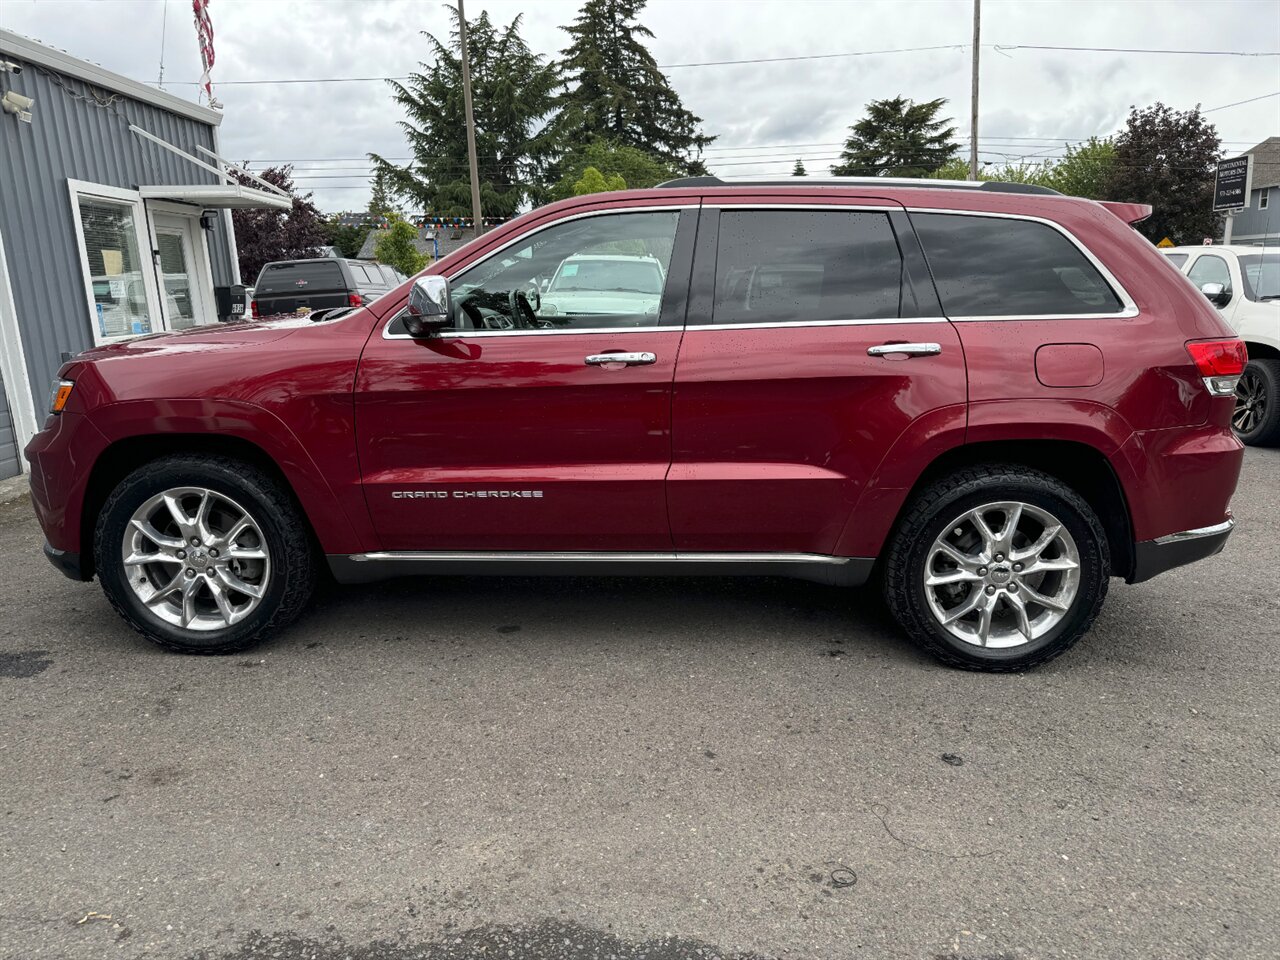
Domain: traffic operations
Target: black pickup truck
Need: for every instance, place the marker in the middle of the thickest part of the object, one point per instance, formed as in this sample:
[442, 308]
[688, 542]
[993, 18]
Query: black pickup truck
[303, 286]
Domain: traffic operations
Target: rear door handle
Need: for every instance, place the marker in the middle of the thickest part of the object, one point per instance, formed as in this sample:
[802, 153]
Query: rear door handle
[630, 359]
[910, 349]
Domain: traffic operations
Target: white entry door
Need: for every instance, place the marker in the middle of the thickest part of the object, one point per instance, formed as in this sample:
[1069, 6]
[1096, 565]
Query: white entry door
[182, 270]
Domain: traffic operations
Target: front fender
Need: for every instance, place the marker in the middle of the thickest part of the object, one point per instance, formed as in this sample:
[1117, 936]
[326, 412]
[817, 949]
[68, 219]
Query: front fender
[332, 499]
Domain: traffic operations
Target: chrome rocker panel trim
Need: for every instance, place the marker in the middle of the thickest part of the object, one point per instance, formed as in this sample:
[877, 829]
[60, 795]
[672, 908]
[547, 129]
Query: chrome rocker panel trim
[382, 565]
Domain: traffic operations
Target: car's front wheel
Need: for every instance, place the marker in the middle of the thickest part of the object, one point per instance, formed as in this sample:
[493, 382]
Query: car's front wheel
[203, 554]
[1256, 418]
[997, 568]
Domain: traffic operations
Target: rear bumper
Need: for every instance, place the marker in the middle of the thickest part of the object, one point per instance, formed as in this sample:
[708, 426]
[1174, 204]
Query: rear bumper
[1152, 557]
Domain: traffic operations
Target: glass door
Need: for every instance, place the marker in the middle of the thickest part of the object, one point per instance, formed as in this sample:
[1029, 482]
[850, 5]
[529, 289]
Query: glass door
[183, 295]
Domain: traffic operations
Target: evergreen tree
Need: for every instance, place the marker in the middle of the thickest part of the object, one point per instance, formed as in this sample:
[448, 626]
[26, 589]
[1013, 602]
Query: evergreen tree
[513, 93]
[615, 91]
[380, 203]
[898, 138]
[798, 170]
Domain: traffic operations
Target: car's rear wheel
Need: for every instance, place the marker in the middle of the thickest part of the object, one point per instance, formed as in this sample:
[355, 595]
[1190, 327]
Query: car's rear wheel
[203, 554]
[1256, 419]
[997, 568]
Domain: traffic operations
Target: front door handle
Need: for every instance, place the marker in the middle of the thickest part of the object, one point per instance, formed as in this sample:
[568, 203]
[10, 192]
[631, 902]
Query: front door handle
[630, 359]
[910, 349]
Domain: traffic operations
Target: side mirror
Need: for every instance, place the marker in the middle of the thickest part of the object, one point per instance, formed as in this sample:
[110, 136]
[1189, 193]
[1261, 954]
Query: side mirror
[429, 310]
[534, 296]
[1216, 293]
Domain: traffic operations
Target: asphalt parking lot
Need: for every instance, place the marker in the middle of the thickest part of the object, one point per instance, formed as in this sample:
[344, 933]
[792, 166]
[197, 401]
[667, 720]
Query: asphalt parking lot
[625, 768]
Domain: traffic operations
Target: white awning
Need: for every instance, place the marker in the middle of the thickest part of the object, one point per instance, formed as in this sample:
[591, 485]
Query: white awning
[233, 196]
[227, 193]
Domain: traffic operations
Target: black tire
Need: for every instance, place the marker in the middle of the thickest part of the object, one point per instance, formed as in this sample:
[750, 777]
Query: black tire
[933, 511]
[283, 526]
[1261, 383]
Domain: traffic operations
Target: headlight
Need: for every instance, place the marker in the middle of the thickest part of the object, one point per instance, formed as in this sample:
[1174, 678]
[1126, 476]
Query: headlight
[60, 394]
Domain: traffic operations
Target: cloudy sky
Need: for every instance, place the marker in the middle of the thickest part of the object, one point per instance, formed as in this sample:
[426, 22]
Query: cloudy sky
[766, 114]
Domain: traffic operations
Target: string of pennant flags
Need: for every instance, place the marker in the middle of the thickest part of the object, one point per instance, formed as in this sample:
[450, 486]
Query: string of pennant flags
[382, 223]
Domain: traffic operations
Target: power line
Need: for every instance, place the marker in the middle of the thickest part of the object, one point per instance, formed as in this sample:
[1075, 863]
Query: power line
[999, 47]
[1265, 96]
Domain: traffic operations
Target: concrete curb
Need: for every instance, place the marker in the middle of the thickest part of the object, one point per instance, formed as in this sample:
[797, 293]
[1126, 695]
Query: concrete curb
[15, 488]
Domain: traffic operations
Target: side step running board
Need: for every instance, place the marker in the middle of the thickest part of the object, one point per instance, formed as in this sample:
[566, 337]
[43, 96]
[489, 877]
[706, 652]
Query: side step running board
[367, 567]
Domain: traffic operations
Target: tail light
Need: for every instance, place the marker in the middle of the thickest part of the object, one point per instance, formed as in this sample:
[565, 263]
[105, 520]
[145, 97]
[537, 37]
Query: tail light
[1220, 363]
[355, 300]
[253, 309]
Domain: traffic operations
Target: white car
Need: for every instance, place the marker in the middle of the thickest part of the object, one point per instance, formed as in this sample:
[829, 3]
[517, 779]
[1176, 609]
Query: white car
[1244, 284]
[605, 285]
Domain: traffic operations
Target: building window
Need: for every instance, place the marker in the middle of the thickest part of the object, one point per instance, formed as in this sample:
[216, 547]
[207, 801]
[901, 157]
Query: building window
[117, 277]
[1264, 199]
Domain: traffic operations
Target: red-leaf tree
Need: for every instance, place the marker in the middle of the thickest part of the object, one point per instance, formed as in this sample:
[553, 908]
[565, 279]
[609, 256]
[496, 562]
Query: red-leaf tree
[264, 235]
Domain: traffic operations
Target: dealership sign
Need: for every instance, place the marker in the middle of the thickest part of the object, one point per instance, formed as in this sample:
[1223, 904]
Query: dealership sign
[1231, 184]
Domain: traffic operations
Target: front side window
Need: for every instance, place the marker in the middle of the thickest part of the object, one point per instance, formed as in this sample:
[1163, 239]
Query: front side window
[1210, 269]
[115, 269]
[1001, 267]
[596, 272]
[806, 266]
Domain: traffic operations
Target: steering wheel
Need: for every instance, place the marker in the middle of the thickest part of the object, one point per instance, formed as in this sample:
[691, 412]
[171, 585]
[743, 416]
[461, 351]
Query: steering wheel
[522, 312]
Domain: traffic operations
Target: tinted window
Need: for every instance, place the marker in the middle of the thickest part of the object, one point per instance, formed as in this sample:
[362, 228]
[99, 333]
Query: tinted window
[1177, 259]
[998, 267]
[1210, 269]
[514, 290]
[306, 275]
[803, 266]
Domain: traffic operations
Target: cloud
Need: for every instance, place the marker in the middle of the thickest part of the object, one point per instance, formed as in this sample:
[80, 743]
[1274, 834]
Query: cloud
[1024, 94]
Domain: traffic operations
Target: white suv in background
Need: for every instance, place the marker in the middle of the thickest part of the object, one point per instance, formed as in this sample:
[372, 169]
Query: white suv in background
[1244, 284]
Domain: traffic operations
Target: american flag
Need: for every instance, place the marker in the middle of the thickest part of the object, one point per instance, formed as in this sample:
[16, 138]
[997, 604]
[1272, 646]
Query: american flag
[204, 34]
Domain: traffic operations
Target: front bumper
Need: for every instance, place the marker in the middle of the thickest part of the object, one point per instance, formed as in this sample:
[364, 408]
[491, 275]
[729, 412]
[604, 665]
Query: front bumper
[1152, 557]
[68, 563]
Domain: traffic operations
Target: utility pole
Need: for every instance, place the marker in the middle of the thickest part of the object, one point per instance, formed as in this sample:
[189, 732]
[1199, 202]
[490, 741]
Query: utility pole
[973, 106]
[476, 221]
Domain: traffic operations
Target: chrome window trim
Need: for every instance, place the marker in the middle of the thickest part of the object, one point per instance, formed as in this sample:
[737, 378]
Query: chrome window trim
[877, 322]
[1129, 308]
[455, 334]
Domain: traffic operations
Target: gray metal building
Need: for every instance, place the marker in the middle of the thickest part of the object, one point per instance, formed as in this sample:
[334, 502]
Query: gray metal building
[114, 220]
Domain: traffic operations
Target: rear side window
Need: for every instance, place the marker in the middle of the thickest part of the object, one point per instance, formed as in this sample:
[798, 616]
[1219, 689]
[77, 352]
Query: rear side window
[806, 266]
[308, 276]
[999, 267]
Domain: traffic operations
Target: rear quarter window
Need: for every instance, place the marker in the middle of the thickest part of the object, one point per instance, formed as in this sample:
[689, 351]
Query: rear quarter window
[310, 276]
[1001, 267]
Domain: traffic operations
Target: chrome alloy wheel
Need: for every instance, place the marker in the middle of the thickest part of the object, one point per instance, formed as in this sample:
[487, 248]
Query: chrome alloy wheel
[1251, 402]
[1002, 575]
[196, 558]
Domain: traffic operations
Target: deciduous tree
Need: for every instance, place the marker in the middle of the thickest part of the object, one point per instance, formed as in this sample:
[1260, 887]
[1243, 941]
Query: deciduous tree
[1167, 158]
[395, 247]
[638, 169]
[264, 235]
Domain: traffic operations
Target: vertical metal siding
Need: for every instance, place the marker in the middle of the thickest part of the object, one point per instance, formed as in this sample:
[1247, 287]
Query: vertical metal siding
[72, 137]
[9, 465]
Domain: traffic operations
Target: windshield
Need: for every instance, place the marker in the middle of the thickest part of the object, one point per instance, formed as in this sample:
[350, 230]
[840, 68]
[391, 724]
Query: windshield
[1261, 272]
[638, 276]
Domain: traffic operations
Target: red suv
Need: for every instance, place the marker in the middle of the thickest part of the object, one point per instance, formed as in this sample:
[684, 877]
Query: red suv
[991, 397]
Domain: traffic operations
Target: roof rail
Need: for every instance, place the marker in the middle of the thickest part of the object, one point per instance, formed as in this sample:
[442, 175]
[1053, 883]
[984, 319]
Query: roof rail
[987, 186]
